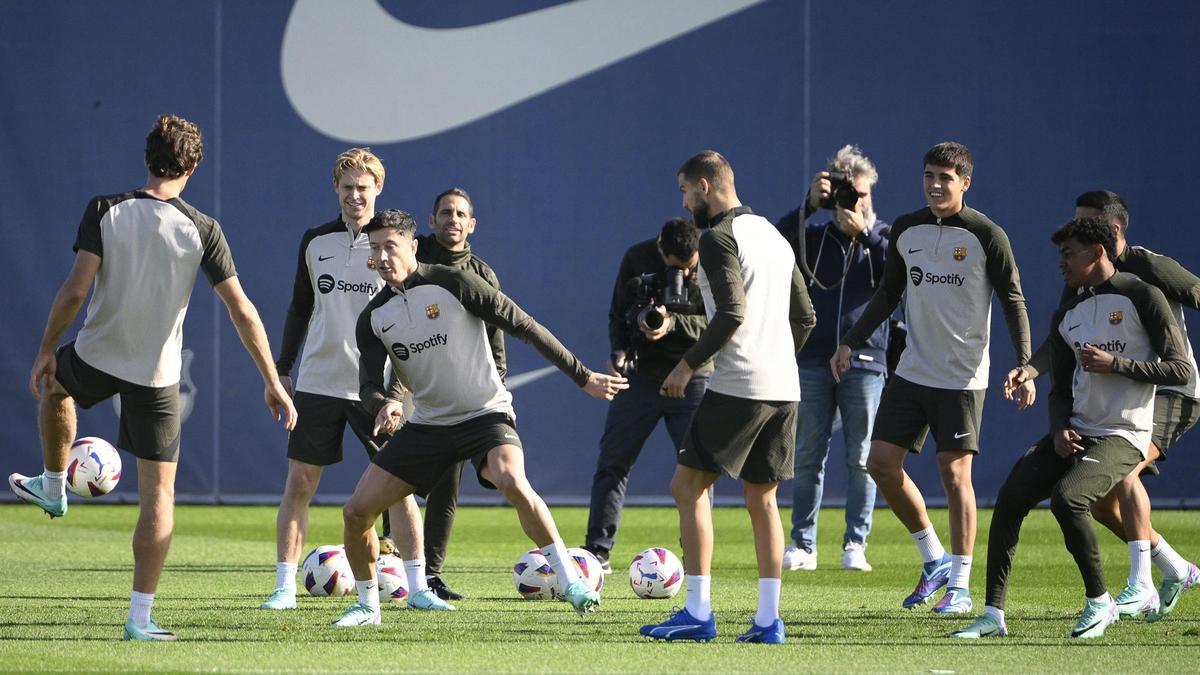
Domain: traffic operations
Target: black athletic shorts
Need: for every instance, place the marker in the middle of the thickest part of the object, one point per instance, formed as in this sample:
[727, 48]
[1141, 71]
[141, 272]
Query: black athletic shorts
[754, 441]
[419, 454]
[321, 422]
[909, 411]
[150, 416]
[1174, 414]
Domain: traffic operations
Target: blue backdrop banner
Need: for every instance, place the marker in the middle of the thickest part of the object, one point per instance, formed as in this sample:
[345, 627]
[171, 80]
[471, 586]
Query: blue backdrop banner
[566, 122]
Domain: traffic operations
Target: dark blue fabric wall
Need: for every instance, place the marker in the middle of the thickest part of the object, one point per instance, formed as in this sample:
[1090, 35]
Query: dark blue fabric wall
[1053, 98]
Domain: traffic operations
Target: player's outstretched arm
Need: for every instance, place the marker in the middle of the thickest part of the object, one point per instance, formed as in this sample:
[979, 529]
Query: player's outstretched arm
[254, 337]
[66, 306]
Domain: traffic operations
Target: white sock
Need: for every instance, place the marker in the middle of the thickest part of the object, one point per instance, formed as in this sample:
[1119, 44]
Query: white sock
[1171, 564]
[1139, 563]
[139, 608]
[562, 564]
[55, 485]
[285, 575]
[368, 593]
[699, 596]
[997, 614]
[1104, 599]
[768, 601]
[929, 545]
[415, 571]
[960, 571]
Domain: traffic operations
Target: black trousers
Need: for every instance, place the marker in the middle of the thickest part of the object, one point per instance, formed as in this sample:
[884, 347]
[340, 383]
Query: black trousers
[440, 507]
[1072, 485]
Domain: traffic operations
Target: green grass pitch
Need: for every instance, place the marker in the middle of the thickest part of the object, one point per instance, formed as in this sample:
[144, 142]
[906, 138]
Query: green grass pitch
[65, 592]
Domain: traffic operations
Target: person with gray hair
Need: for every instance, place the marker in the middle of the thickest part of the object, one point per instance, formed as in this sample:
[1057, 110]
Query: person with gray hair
[842, 260]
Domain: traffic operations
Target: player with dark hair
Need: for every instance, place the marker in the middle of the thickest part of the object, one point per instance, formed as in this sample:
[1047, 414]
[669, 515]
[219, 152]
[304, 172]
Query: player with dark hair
[1126, 510]
[946, 260]
[131, 344]
[759, 316]
[646, 354]
[452, 221]
[430, 322]
[1111, 342]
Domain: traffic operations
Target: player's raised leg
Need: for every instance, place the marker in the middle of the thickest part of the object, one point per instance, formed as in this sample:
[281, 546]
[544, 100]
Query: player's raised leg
[886, 464]
[505, 468]
[696, 621]
[56, 421]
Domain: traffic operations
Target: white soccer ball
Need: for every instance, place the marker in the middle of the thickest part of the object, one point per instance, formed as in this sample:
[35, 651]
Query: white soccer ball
[655, 573]
[326, 571]
[393, 582]
[589, 569]
[93, 467]
[533, 577]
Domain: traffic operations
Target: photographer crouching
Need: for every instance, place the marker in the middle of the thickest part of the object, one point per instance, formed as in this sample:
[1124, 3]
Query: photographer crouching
[656, 315]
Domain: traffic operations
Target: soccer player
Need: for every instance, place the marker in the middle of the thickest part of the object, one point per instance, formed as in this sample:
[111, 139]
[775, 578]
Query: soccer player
[430, 322]
[946, 260]
[333, 285]
[1110, 343]
[452, 221]
[1126, 510]
[131, 344]
[759, 316]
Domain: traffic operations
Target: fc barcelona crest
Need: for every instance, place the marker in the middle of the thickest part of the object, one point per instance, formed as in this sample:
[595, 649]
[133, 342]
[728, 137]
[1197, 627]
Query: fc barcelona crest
[1115, 317]
[433, 312]
[960, 253]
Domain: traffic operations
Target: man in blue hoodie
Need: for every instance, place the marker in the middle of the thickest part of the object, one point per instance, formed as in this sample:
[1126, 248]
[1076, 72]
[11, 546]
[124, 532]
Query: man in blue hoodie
[842, 264]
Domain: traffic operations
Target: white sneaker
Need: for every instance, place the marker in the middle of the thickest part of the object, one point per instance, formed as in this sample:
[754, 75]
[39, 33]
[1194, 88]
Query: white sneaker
[854, 557]
[799, 559]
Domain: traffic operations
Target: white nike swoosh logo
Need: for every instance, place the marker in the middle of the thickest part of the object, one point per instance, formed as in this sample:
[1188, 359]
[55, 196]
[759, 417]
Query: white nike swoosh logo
[521, 379]
[410, 82]
[1089, 459]
[962, 435]
[679, 628]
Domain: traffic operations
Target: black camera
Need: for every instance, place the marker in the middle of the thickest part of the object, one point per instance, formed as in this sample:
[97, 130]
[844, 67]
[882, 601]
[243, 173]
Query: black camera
[841, 192]
[668, 289]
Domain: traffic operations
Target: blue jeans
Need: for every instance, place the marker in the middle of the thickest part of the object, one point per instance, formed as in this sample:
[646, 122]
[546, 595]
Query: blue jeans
[632, 416]
[821, 398]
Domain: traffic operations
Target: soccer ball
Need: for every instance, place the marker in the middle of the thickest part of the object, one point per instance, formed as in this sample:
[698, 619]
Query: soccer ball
[327, 572]
[655, 573]
[93, 467]
[589, 569]
[533, 577]
[393, 582]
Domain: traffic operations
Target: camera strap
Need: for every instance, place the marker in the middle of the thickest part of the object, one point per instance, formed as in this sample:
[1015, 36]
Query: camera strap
[847, 258]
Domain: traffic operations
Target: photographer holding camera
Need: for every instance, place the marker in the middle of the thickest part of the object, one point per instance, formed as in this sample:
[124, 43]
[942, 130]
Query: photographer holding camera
[842, 261]
[655, 317]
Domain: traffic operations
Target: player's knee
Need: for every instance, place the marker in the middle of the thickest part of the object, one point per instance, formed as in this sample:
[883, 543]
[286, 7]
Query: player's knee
[882, 469]
[684, 490]
[355, 513]
[513, 487]
[301, 485]
[1064, 503]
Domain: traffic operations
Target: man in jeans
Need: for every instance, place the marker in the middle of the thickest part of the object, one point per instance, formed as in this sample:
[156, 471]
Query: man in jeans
[842, 264]
[646, 353]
